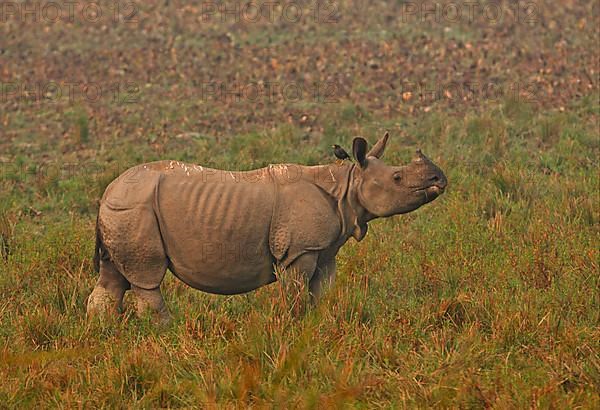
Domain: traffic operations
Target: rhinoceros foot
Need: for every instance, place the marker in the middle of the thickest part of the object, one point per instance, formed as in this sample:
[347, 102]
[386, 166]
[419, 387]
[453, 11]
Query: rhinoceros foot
[151, 301]
[101, 301]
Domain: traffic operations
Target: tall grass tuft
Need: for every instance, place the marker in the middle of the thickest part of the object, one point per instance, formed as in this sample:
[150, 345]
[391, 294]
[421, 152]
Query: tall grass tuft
[7, 230]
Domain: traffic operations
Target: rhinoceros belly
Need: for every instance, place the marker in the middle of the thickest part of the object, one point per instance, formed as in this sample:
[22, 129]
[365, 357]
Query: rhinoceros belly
[216, 231]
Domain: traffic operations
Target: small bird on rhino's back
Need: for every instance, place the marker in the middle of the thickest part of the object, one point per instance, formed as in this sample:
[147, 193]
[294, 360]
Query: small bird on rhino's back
[340, 153]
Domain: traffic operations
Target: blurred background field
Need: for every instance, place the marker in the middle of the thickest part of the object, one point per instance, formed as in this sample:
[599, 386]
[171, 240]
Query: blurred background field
[488, 297]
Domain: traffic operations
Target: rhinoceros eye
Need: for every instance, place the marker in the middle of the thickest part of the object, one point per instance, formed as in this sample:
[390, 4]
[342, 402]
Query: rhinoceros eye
[397, 177]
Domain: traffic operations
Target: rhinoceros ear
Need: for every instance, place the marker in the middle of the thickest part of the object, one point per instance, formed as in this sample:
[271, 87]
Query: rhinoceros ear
[379, 147]
[359, 149]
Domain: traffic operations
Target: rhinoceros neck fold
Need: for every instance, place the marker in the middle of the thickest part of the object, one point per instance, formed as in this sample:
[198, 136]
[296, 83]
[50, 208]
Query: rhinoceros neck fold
[357, 213]
[339, 181]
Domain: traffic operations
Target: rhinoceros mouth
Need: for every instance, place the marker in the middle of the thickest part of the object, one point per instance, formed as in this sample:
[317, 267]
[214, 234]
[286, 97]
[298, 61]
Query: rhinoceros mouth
[433, 188]
[430, 192]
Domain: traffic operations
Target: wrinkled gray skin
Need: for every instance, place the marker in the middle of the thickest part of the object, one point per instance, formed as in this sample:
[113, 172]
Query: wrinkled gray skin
[226, 232]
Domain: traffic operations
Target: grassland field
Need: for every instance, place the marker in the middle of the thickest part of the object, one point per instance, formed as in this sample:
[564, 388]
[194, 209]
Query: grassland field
[488, 297]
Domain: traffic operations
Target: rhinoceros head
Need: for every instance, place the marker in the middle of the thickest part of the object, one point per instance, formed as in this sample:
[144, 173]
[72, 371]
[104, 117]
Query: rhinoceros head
[385, 190]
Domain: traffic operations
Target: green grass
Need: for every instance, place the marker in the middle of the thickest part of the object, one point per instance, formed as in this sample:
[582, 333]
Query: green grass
[486, 297]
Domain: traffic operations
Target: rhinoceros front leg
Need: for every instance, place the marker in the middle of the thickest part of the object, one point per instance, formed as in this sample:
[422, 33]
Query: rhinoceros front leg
[297, 276]
[323, 278]
[318, 270]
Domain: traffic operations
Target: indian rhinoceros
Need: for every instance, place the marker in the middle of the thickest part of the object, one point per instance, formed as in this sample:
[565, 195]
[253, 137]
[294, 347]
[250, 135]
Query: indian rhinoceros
[227, 232]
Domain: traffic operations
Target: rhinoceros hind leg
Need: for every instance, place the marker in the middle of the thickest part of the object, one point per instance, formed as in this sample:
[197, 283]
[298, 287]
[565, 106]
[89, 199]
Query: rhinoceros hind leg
[109, 290]
[153, 302]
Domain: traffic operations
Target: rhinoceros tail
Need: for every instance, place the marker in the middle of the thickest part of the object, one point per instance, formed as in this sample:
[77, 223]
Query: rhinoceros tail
[98, 247]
